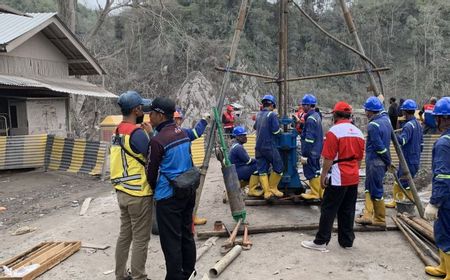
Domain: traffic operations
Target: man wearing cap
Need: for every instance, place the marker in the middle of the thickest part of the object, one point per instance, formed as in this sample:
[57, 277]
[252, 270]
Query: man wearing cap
[342, 153]
[246, 167]
[169, 157]
[228, 120]
[267, 128]
[128, 155]
[378, 160]
[311, 146]
[411, 140]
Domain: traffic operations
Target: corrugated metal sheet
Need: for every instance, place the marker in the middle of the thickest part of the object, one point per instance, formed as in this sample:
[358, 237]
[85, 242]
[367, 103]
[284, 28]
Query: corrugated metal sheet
[198, 151]
[250, 145]
[26, 151]
[75, 155]
[69, 85]
[13, 26]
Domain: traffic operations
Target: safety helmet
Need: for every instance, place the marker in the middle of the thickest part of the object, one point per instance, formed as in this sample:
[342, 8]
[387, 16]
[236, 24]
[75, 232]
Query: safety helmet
[309, 99]
[442, 107]
[342, 106]
[270, 98]
[373, 104]
[238, 131]
[131, 99]
[409, 105]
[230, 108]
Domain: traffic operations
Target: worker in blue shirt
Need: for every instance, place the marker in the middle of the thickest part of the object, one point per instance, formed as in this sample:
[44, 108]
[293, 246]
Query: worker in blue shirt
[378, 160]
[311, 147]
[246, 167]
[438, 209]
[267, 128]
[411, 141]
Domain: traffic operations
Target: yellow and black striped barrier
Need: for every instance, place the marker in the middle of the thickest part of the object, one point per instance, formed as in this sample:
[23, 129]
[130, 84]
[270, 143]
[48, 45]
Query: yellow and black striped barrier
[75, 155]
[25, 151]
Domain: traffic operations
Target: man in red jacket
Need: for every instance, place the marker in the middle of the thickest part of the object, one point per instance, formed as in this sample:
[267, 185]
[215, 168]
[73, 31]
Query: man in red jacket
[228, 120]
[342, 153]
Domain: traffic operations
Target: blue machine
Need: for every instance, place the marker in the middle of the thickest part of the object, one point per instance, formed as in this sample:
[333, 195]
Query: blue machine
[287, 146]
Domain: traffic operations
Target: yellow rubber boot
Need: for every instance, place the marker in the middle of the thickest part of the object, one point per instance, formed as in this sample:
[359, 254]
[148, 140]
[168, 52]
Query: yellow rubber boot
[314, 184]
[274, 180]
[395, 195]
[366, 217]
[379, 213]
[447, 265]
[264, 181]
[199, 221]
[440, 270]
[253, 187]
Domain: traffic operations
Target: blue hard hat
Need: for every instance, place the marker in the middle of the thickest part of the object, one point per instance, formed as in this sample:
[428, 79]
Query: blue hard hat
[309, 99]
[239, 130]
[269, 97]
[131, 99]
[409, 105]
[442, 107]
[373, 104]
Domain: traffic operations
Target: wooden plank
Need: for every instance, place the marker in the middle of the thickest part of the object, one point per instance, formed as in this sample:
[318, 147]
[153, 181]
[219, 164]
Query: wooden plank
[48, 255]
[85, 206]
[95, 246]
[15, 258]
[34, 258]
[70, 249]
[24, 256]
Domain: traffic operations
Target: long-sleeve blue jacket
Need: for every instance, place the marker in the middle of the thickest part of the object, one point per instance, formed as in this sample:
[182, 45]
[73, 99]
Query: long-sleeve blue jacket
[312, 135]
[378, 141]
[411, 140]
[440, 196]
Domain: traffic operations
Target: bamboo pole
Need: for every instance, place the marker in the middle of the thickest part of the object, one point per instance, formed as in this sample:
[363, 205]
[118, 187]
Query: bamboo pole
[220, 101]
[244, 73]
[329, 75]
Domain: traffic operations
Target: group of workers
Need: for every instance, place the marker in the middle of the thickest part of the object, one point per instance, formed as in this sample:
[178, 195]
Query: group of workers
[336, 183]
[147, 159]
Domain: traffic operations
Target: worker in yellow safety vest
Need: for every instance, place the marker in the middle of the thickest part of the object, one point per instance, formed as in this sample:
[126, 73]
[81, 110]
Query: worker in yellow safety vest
[129, 150]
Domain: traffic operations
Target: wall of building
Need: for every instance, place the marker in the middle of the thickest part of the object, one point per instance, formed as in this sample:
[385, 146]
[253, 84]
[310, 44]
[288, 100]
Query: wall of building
[47, 116]
[37, 56]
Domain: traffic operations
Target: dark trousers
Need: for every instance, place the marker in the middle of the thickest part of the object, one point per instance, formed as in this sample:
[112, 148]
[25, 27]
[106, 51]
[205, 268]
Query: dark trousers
[393, 121]
[174, 218]
[338, 201]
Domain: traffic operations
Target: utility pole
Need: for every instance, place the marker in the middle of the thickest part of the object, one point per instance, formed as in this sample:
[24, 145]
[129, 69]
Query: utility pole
[283, 95]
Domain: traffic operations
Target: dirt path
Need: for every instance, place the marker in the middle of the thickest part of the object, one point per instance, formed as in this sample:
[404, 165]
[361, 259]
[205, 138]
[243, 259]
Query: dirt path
[382, 255]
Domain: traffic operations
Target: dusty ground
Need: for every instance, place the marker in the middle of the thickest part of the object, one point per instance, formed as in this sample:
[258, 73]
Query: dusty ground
[43, 200]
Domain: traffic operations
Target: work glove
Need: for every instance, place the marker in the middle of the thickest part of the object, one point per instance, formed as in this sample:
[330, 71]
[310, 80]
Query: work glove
[303, 160]
[206, 116]
[431, 212]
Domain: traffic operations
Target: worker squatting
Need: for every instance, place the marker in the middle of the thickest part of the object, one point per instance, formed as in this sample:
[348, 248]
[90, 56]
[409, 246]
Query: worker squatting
[143, 170]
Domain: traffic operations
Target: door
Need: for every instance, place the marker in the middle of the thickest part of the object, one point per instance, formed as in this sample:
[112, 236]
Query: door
[18, 122]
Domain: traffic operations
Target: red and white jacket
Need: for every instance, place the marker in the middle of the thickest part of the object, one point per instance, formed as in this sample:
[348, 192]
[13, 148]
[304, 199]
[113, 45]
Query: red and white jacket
[344, 145]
